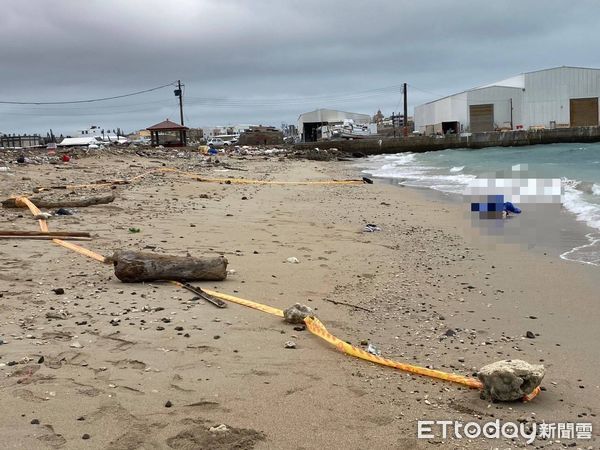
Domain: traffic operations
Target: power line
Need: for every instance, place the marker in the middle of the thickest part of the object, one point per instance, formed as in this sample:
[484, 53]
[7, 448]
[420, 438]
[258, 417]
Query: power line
[87, 101]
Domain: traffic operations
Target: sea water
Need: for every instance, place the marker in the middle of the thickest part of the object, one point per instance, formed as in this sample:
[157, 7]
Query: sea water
[576, 165]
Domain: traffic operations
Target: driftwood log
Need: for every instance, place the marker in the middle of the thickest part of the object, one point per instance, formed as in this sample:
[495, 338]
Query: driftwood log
[132, 267]
[63, 201]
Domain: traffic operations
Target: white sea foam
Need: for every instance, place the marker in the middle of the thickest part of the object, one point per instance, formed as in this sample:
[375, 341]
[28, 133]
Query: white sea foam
[457, 169]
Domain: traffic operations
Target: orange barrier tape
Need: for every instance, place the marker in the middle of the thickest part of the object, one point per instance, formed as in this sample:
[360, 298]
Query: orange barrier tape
[317, 328]
[250, 304]
[81, 250]
[314, 325]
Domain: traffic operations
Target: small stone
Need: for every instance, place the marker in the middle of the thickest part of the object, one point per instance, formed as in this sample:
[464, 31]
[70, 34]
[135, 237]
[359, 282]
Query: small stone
[297, 313]
[178, 328]
[168, 404]
[85, 436]
[40, 360]
[80, 418]
[290, 344]
[530, 335]
[59, 291]
[216, 336]
[292, 260]
[35, 421]
[450, 332]
[300, 328]
[76, 344]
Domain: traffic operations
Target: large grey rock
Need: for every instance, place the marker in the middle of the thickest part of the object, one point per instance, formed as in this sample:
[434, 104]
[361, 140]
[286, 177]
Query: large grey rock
[297, 313]
[510, 380]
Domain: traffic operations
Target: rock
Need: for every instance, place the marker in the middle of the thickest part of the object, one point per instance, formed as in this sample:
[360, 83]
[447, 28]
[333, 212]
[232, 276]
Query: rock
[450, 332]
[63, 212]
[297, 313]
[42, 216]
[168, 404]
[61, 315]
[85, 436]
[530, 335]
[76, 345]
[292, 260]
[289, 344]
[219, 428]
[510, 380]
[59, 291]
[35, 421]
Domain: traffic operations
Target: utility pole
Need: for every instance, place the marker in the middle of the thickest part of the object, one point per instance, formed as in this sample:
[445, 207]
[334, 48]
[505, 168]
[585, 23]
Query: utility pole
[405, 111]
[511, 115]
[179, 93]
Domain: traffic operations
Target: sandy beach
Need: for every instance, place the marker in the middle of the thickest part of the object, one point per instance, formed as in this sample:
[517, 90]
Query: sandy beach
[143, 366]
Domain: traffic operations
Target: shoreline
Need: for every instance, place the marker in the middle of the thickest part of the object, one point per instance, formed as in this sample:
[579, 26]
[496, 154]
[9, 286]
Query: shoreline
[419, 277]
[563, 230]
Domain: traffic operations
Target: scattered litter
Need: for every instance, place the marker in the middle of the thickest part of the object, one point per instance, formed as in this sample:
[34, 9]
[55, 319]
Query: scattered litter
[42, 216]
[371, 227]
[373, 350]
[61, 315]
[290, 344]
[292, 260]
[63, 212]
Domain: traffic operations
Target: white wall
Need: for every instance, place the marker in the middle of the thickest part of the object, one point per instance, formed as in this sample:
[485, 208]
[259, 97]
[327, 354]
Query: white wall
[500, 97]
[547, 93]
[448, 109]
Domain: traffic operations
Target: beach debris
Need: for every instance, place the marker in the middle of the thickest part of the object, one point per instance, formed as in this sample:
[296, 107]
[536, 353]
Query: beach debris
[297, 313]
[203, 295]
[60, 315]
[289, 344]
[132, 267]
[292, 260]
[62, 200]
[134, 230]
[371, 228]
[373, 350]
[219, 428]
[63, 212]
[42, 216]
[510, 380]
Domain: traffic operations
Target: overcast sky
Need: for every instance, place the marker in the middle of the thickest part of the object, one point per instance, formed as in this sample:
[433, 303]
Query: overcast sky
[267, 61]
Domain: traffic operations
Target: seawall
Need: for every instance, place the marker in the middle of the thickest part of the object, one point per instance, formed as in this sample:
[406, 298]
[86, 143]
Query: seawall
[420, 144]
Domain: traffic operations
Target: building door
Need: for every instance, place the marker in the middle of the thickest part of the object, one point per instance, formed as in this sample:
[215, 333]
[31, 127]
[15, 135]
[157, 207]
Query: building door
[584, 112]
[481, 118]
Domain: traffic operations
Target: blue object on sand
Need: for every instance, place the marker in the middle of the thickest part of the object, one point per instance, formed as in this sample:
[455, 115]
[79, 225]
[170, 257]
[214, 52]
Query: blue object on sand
[509, 207]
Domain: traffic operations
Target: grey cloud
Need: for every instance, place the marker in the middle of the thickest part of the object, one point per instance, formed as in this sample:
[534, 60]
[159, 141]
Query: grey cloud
[71, 49]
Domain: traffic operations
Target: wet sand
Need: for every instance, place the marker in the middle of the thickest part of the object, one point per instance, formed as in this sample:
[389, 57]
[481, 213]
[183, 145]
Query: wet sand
[422, 275]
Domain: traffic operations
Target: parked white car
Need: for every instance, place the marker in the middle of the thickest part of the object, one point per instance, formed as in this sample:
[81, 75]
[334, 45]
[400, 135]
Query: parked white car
[216, 143]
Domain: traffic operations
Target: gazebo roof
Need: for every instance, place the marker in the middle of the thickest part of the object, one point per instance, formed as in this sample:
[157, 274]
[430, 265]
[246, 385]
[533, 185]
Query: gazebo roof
[167, 125]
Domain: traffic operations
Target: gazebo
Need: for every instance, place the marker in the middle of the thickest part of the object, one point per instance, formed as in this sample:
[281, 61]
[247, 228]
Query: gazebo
[168, 134]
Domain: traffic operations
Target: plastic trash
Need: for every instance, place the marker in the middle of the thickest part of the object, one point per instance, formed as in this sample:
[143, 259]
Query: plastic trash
[371, 227]
[373, 350]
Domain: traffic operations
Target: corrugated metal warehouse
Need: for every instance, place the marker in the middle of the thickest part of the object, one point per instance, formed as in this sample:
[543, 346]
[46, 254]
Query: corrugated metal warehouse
[310, 121]
[550, 98]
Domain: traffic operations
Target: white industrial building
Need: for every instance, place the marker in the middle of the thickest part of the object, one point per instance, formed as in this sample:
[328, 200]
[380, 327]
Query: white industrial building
[310, 121]
[550, 98]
